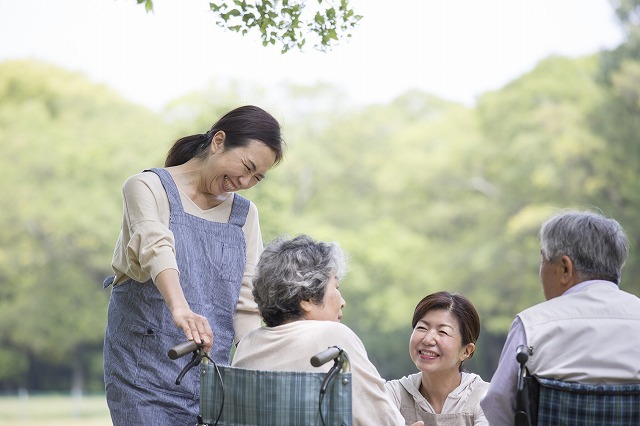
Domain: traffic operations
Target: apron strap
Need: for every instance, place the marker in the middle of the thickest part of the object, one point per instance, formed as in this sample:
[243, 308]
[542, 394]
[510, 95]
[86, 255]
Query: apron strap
[239, 210]
[175, 204]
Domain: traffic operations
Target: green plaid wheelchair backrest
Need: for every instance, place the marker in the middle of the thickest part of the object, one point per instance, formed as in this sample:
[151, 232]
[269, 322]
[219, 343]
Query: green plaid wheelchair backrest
[564, 403]
[277, 398]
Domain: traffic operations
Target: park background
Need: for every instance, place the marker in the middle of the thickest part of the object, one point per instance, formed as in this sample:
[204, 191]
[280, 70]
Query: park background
[426, 192]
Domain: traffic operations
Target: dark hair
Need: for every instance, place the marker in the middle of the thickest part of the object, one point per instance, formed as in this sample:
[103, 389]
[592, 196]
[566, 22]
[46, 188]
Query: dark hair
[240, 126]
[293, 270]
[597, 245]
[459, 306]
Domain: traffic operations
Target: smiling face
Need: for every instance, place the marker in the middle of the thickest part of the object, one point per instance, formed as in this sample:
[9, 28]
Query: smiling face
[235, 169]
[331, 307]
[436, 344]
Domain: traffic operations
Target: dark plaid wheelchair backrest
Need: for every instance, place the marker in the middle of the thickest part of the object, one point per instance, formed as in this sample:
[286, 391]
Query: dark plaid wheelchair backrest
[553, 402]
[277, 398]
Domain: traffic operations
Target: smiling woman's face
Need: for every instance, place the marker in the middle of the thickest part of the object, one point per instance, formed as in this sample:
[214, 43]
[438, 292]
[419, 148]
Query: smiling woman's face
[436, 343]
[238, 168]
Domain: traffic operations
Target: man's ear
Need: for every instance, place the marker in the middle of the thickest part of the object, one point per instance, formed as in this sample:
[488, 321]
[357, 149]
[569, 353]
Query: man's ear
[568, 273]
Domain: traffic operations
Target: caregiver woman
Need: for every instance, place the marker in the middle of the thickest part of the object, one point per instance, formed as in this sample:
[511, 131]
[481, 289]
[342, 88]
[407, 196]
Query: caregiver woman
[183, 265]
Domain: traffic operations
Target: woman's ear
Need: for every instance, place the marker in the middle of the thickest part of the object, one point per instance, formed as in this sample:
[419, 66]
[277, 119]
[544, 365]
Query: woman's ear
[306, 306]
[468, 351]
[217, 141]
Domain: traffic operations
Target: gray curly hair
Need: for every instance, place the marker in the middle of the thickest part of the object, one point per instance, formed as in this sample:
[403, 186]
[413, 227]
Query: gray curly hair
[292, 270]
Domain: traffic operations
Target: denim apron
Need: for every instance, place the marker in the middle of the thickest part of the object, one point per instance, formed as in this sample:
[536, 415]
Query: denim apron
[139, 376]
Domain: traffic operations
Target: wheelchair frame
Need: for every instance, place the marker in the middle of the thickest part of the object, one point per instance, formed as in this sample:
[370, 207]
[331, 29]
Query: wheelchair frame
[212, 387]
[553, 402]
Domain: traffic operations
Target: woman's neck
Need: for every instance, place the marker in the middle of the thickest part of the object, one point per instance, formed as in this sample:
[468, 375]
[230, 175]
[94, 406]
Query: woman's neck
[437, 387]
[188, 179]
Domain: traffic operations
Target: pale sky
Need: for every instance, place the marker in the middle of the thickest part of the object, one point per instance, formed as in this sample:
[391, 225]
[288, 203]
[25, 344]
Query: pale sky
[455, 49]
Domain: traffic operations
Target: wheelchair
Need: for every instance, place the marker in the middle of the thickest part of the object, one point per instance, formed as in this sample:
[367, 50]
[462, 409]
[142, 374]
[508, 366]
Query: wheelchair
[545, 402]
[236, 396]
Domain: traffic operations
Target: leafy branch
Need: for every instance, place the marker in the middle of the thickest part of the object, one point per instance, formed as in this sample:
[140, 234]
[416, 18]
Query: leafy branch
[289, 22]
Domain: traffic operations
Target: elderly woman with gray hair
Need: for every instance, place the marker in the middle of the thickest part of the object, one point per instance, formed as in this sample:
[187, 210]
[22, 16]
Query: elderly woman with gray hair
[296, 287]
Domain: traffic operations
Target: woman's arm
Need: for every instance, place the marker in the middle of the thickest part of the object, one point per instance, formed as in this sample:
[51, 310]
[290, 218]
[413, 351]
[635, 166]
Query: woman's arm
[195, 327]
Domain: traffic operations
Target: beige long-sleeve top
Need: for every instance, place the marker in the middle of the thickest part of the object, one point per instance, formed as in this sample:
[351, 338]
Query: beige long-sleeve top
[145, 246]
[289, 347]
[462, 406]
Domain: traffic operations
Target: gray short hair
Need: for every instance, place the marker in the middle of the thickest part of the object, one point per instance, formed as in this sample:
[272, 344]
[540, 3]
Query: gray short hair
[292, 270]
[597, 245]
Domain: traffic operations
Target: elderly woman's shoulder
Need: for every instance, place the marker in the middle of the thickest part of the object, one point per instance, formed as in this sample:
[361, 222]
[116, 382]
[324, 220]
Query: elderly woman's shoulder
[329, 325]
[332, 329]
[325, 327]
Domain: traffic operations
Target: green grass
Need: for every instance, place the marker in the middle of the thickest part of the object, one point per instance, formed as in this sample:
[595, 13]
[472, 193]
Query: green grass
[54, 410]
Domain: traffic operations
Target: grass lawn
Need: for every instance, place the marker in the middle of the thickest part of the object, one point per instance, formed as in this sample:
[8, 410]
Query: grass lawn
[54, 410]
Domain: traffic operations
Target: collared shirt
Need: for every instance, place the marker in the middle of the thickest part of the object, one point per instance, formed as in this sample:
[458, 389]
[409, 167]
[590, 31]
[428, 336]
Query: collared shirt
[499, 404]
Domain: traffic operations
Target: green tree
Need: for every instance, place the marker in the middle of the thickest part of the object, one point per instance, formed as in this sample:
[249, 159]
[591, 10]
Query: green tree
[286, 22]
[67, 143]
[424, 194]
[616, 120]
[540, 157]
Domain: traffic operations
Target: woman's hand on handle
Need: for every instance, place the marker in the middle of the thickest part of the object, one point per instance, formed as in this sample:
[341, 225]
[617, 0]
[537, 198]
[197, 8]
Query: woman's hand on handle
[420, 423]
[195, 326]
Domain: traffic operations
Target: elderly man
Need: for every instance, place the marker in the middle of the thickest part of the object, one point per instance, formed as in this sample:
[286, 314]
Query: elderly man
[587, 329]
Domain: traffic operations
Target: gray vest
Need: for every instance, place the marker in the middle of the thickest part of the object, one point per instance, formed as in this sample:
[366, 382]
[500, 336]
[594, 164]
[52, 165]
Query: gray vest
[590, 336]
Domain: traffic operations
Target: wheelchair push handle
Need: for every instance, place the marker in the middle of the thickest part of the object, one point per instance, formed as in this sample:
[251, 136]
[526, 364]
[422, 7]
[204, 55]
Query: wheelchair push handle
[522, 354]
[182, 349]
[325, 356]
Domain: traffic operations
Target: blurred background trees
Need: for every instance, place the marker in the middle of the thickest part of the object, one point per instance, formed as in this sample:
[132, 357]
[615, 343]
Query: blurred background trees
[424, 194]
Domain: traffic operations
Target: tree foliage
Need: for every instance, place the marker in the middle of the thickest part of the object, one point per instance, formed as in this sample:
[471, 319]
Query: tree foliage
[62, 138]
[288, 23]
[424, 194]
